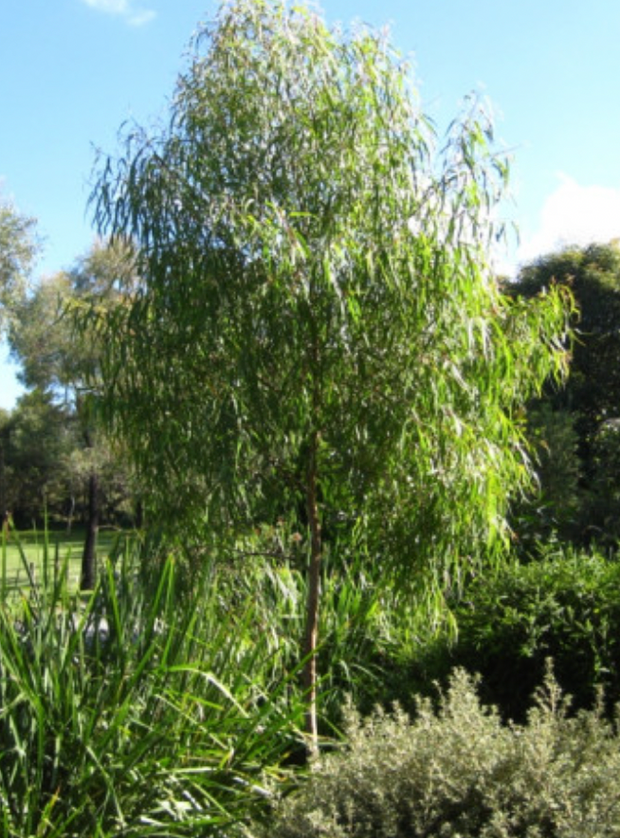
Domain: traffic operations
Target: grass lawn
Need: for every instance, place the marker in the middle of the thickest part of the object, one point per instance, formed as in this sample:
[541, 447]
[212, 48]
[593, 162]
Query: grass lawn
[34, 548]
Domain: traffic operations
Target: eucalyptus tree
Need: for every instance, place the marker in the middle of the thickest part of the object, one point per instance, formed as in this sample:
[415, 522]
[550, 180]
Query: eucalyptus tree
[319, 335]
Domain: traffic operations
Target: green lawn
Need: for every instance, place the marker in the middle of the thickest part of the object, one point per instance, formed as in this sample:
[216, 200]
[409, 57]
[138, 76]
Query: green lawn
[35, 547]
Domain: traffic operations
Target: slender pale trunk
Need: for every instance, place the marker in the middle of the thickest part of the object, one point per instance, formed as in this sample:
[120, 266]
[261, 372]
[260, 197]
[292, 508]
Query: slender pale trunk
[312, 605]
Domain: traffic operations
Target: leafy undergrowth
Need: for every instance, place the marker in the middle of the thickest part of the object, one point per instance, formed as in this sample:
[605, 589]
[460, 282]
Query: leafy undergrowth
[140, 709]
[563, 605]
[168, 701]
[458, 772]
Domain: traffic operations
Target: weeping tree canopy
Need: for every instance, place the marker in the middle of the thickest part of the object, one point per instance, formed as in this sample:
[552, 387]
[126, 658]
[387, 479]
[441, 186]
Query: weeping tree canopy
[319, 334]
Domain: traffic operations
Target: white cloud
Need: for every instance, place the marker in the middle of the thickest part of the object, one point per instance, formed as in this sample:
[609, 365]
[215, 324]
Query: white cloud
[123, 8]
[574, 214]
[115, 7]
[139, 18]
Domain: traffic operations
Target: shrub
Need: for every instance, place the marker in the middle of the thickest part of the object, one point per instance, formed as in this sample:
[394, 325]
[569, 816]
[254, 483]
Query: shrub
[458, 772]
[564, 606]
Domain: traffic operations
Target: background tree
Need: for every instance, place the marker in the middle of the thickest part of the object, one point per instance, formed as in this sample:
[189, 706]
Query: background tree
[319, 336]
[588, 402]
[592, 391]
[57, 358]
[18, 248]
[603, 507]
[556, 505]
[36, 440]
[4, 444]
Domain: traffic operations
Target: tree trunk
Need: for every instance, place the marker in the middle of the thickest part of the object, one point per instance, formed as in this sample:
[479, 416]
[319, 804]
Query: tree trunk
[87, 582]
[70, 515]
[312, 604]
[3, 500]
[139, 516]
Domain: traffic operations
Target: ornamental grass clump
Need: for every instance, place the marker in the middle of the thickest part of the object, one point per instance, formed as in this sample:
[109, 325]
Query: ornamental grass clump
[456, 771]
[138, 709]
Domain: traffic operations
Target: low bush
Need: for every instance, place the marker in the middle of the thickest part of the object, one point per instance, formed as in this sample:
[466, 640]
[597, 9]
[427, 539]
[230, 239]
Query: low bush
[565, 606]
[459, 772]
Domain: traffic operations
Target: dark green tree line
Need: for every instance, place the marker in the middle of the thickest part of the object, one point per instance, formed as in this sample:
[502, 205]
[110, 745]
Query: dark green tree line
[576, 423]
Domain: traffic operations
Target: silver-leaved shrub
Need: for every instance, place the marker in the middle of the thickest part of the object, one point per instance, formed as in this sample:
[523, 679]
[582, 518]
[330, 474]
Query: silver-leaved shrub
[456, 771]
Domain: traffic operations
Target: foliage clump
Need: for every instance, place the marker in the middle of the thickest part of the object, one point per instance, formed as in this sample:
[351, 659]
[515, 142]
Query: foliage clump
[139, 709]
[564, 606]
[18, 251]
[574, 427]
[456, 771]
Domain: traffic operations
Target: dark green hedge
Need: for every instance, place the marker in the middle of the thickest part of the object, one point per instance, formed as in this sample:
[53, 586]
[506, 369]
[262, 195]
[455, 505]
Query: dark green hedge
[564, 606]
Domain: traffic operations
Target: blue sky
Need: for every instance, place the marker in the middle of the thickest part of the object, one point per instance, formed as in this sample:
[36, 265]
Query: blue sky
[71, 71]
